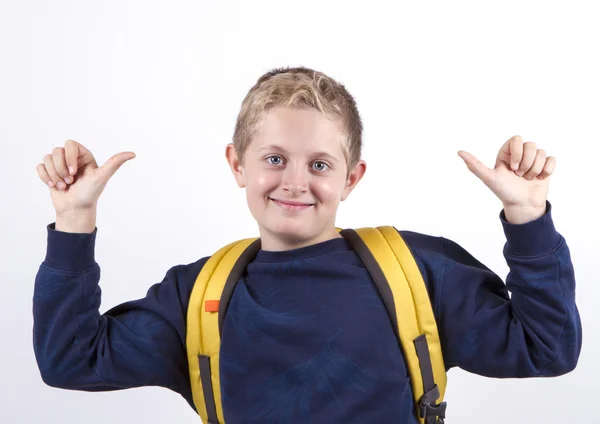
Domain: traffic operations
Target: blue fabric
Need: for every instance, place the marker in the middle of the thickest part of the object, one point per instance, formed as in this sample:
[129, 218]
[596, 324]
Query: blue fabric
[307, 338]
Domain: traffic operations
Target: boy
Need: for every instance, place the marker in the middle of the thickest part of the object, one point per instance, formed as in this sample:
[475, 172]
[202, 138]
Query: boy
[306, 337]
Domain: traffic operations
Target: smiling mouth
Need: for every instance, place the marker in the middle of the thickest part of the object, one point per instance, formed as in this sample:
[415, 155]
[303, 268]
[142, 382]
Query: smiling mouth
[291, 205]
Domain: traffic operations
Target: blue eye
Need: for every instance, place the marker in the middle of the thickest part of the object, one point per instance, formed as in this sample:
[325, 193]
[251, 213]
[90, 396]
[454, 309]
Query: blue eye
[320, 168]
[274, 157]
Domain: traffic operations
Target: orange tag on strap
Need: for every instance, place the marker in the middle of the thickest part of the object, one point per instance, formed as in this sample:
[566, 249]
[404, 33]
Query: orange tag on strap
[211, 306]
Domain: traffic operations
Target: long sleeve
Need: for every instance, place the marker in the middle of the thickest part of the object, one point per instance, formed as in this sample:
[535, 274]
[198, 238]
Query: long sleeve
[137, 343]
[535, 332]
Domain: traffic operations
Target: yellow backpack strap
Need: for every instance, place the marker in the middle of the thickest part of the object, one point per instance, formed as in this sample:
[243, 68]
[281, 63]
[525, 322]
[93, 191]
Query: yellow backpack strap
[399, 281]
[206, 312]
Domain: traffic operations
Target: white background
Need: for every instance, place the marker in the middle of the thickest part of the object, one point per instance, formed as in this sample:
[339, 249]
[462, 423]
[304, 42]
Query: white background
[166, 79]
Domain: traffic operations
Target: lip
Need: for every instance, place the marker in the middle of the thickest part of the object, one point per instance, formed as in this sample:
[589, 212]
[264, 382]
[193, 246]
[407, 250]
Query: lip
[291, 205]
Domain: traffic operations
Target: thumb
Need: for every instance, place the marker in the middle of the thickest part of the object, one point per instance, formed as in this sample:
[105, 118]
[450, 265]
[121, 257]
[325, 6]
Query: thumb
[477, 167]
[106, 171]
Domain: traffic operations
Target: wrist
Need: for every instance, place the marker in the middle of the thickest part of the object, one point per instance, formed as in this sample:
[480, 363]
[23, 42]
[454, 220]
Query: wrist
[76, 221]
[519, 214]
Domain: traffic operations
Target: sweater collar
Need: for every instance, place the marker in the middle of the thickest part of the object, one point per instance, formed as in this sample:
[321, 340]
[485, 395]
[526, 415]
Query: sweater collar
[305, 252]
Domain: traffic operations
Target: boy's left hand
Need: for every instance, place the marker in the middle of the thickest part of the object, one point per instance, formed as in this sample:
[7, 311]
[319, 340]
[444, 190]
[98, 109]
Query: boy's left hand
[524, 188]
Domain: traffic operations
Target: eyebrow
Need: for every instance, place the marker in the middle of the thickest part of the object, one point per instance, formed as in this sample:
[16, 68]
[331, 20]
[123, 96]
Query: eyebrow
[280, 149]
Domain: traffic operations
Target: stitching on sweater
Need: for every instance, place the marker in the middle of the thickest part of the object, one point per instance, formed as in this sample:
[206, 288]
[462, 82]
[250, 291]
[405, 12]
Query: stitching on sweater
[564, 324]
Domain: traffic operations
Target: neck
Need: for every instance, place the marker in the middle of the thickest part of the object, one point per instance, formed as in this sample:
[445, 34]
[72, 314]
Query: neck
[273, 242]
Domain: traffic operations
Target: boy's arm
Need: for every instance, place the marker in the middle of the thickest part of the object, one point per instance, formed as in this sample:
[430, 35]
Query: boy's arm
[138, 343]
[535, 332]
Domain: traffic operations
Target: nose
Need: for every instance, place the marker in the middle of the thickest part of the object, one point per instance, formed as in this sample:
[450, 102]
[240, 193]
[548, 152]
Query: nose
[295, 180]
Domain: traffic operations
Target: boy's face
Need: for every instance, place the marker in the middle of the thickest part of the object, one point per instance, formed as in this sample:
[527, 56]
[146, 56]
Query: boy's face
[295, 175]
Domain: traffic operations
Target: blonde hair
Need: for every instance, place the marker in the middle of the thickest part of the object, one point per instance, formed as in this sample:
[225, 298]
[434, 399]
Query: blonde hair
[300, 88]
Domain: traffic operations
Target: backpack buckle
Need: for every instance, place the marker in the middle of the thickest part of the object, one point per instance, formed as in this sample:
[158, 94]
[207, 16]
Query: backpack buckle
[429, 409]
[435, 411]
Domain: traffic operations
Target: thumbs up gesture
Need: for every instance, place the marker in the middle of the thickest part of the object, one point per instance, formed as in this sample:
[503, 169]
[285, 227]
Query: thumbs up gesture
[520, 178]
[75, 179]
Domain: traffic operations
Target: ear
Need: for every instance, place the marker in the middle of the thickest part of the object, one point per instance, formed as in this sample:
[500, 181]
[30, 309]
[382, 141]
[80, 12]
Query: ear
[354, 177]
[236, 167]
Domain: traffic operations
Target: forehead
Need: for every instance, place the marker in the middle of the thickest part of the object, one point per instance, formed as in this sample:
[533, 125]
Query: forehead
[299, 130]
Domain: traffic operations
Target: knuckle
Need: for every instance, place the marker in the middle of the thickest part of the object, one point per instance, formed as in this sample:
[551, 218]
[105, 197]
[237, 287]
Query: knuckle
[69, 147]
[57, 150]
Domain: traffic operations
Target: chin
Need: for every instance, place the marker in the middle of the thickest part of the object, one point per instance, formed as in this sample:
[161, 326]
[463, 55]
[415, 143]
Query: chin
[290, 231]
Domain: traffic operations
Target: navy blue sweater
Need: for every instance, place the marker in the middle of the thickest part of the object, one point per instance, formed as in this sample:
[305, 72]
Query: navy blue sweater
[307, 337]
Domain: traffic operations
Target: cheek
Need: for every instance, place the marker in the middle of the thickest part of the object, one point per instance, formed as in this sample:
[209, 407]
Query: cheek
[328, 191]
[262, 183]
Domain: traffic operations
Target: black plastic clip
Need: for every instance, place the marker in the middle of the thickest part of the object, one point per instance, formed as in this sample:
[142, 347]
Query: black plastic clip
[429, 409]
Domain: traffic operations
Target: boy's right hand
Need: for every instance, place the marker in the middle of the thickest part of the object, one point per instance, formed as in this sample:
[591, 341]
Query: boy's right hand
[75, 191]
